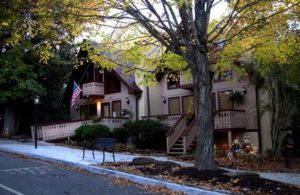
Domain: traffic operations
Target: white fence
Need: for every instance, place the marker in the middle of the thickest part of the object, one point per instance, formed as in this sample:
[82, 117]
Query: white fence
[230, 119]
[62, 130]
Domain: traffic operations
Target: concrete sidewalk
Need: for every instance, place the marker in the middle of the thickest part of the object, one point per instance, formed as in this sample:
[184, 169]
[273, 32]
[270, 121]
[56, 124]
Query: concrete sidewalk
[70, 156]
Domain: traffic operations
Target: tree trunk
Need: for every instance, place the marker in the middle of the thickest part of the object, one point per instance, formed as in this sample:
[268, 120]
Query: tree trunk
[10, 118]
[204, 118]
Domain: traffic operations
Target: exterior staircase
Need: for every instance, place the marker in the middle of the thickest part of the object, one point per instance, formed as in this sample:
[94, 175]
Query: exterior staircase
[181, 138]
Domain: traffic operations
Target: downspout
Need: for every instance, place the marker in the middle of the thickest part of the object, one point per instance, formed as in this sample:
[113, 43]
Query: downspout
[148, 100]
[137, 97]
[258, 119]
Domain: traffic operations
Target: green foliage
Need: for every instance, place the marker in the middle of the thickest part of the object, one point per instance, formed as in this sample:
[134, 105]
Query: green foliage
[121, 134]
[237, 97]
[146, 134]
[90, 132]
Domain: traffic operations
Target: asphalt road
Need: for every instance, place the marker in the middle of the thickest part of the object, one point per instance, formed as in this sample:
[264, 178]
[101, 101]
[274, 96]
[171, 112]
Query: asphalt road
[26, 176]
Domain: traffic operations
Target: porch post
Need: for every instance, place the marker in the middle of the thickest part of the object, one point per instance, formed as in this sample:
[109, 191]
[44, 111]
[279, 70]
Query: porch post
[229, 138]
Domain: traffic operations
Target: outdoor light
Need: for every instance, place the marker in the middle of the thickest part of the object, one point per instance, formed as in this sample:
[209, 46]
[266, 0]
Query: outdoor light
[36, 101]
[244, 90]
[164, 100]
[76, 107]
[127, 101]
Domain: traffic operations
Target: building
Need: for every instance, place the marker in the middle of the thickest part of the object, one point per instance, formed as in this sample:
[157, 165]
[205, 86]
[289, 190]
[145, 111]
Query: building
[116, 98]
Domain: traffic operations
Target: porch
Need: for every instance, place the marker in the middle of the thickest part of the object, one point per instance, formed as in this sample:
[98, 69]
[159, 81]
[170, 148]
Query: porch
[181, 137]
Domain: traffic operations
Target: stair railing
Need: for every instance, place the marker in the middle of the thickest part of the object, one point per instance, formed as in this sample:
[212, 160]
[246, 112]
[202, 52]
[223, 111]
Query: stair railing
[189, 135]
[175, 132]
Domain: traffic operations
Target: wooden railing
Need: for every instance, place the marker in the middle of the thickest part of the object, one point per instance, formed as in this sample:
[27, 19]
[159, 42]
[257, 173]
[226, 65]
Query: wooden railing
[230, 119]
[54, 131]
[184, 81]
[175, 132]
[93, 88]
[169, 119]
[189, 135]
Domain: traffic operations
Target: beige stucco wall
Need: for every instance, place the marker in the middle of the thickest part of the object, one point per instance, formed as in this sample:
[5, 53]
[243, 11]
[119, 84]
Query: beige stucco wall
[169, 93]
[265, 123]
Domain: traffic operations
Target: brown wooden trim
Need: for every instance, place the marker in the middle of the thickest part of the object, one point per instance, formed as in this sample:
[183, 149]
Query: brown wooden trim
[234, 110]
[173, 127]
[159, 115]
[252, 130]
[187, 86]
[228, 129]
[115, 118]
[59, 122]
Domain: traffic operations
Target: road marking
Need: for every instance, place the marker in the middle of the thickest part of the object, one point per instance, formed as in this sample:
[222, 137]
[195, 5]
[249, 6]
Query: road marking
[10, 190]
[31, 170]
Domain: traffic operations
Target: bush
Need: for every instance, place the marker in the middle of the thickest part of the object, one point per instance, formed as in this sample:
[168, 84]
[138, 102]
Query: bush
[90, 132]
[145, 134]
[121, 134]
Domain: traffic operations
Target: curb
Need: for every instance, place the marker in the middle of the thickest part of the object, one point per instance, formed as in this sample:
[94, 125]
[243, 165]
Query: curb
[134, 178]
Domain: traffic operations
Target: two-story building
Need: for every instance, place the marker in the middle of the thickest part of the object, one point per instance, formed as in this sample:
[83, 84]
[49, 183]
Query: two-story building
[116, 98]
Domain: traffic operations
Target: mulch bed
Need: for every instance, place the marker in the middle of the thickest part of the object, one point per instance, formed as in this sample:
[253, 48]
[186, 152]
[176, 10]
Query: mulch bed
[205, 179]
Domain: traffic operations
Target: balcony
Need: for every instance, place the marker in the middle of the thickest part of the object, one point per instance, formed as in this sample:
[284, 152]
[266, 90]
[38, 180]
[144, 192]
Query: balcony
[230, 119]
[185, 82]
[93, 89]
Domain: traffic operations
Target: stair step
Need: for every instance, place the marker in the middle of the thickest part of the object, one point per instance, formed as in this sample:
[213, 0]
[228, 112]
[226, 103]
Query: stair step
[180, 148]
[178, 145]
[179, 153]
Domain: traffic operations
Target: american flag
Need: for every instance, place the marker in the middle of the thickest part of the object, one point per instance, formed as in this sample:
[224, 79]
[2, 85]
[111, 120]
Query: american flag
[75, 94]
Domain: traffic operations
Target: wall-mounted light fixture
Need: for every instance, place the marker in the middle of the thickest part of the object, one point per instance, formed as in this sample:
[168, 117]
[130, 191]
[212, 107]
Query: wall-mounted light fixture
[244, 90]
[164, 100]
[76, 107]
[127, 100]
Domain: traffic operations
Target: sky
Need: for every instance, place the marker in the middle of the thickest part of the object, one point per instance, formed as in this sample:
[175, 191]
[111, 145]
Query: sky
[216, 13]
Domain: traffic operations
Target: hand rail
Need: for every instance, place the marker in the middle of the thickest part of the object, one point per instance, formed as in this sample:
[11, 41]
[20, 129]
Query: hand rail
[174, 126]
[175, 132]
[189, 135]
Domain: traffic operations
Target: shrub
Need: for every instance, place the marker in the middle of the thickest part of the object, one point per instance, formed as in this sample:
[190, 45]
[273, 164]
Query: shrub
[148, 134]
[121, 134]
[90, 132]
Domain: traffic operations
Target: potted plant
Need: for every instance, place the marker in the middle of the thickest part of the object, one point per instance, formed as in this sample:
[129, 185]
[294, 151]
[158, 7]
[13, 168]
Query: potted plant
[236, 97]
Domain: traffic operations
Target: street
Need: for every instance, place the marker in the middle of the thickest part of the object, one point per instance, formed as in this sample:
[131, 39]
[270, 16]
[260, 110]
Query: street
[27, 176]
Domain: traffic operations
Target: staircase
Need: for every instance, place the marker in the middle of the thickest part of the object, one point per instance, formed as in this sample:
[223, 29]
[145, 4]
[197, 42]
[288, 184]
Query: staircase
[181, 138]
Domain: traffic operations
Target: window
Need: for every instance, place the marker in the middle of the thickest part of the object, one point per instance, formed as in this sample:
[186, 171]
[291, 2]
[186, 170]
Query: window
[173, 81]
[174, 105]
[188, 105]
[112, 84]
[92, 110]
[88, 111]
[84, 112]
[105, 110]
[98, 75]
[223, 76]
[224, 103]
[116, 109]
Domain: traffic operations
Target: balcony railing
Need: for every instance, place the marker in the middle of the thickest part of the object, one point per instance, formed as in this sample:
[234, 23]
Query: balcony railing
[185, 81]
[169, 119]
[230, 119]
[93, 89]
